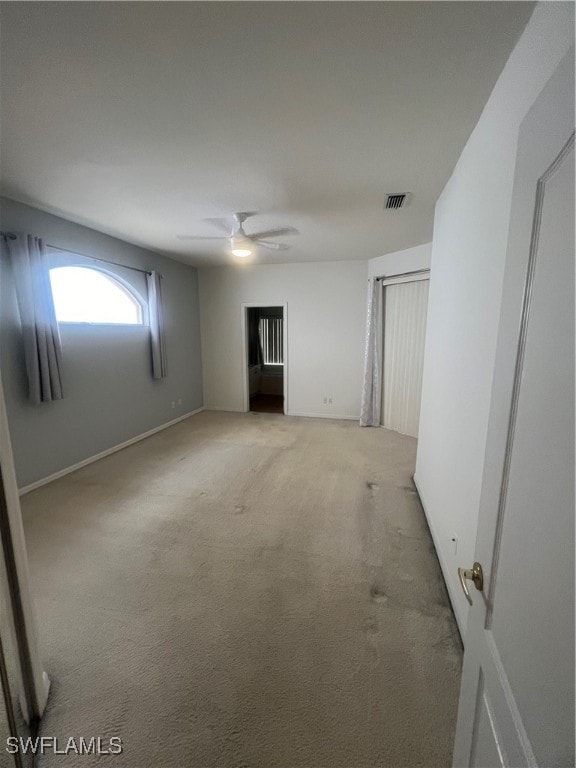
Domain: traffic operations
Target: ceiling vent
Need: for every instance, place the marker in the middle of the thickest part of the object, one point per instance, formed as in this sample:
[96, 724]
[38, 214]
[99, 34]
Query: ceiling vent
[397, 200]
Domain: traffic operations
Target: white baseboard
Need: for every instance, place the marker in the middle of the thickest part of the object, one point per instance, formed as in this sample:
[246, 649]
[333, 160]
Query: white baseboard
[102, 454]
[446, 571]
[323, 415]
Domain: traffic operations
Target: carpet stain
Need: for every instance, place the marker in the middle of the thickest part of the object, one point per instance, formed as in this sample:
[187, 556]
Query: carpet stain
[377, 594]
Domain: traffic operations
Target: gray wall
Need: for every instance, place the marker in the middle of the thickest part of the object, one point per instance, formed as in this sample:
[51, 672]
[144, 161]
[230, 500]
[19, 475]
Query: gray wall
[110, 395]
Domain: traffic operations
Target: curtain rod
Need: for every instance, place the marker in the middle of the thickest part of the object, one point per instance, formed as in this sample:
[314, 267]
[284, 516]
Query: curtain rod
[12, 236]
[402, 274]
[95, 258]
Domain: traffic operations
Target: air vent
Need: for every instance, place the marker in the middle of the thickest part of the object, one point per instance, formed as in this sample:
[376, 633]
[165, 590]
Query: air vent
[397, 200]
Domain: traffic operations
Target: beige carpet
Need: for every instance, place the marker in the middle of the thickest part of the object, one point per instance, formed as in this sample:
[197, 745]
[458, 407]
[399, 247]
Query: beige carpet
[246, 591]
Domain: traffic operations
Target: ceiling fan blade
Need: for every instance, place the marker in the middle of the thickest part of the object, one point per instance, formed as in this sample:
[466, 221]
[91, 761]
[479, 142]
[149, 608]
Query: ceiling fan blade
[272, 246]
[223, 224]
[202, 237]
[276, 232]
[230, 224]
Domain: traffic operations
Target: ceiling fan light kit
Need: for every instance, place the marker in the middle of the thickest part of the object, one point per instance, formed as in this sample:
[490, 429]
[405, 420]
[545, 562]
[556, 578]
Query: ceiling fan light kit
[240, 247]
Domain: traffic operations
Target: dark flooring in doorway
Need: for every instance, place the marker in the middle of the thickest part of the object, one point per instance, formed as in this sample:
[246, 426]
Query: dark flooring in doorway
[267, 403]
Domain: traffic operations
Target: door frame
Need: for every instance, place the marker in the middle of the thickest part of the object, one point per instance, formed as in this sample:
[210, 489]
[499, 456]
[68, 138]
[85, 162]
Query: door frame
[33, 682]
[245, 306]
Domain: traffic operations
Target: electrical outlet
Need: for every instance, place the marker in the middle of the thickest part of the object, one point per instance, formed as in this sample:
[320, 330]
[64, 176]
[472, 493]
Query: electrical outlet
[179, 401]
[325, 401]
[173, 404]
[329, 401]
[454, 540]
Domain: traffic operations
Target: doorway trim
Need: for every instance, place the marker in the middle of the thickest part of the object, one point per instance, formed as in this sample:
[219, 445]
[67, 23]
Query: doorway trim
[33, 683]
[245, 306]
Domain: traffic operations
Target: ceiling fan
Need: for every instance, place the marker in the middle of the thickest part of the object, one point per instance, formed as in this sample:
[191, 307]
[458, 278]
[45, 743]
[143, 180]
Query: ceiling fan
[242, 243]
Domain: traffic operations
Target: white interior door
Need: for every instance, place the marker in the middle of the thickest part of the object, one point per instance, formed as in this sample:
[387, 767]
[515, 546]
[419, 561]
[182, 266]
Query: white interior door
[517, 696]
[405, 309]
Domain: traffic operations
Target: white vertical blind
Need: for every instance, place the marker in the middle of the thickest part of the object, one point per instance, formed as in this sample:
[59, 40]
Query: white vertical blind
[405, 307]
[271, 338]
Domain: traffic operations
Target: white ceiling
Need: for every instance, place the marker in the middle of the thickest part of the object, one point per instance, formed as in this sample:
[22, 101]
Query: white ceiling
[142, 119]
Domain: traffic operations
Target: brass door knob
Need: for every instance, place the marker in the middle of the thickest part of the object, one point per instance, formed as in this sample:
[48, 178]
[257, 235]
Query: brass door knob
[475, 575]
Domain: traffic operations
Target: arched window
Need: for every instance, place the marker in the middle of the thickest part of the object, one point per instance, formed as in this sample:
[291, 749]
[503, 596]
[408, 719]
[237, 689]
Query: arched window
[88, 295]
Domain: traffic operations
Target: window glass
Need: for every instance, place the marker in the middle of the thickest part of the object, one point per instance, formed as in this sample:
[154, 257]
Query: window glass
[87, 295]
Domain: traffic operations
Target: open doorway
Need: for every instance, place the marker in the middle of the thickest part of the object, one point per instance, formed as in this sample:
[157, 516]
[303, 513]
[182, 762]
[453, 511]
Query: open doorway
[265, 358]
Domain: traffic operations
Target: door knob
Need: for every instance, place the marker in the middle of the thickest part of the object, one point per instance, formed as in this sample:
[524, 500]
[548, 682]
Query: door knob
[475, 575]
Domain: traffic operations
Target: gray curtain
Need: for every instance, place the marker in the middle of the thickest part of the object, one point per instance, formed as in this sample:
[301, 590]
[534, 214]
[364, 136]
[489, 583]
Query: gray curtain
[42, 348]
[255, 356]
[157, 338]
[372, 385]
